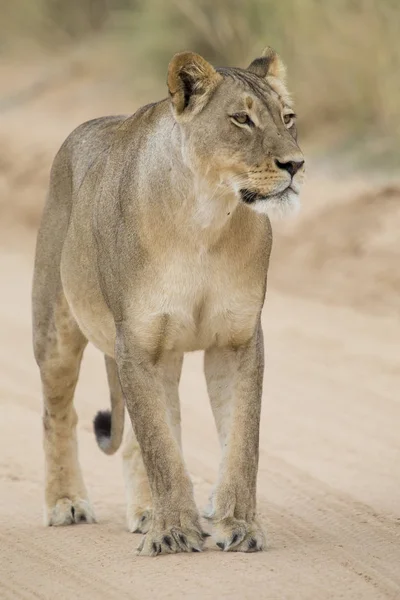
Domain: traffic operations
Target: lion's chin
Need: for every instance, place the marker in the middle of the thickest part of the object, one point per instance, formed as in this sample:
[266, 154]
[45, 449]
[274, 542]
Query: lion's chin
[284, 204]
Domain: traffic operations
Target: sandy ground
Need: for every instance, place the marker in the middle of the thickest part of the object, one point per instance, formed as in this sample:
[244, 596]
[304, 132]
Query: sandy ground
[328, 481]
[329, 493]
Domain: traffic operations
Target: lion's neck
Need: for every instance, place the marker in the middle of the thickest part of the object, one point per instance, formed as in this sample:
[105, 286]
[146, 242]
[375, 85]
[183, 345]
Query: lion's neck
[210, 207]
[203, 206]
[193, 209]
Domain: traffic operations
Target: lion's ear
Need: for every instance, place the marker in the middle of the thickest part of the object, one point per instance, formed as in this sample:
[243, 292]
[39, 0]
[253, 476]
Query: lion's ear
[191, 80]
[268, 64]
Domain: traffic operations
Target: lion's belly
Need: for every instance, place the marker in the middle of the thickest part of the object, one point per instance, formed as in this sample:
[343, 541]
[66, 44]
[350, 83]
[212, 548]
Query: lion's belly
[188, 326]
[82, 291]
[94, 319]
[184, 306]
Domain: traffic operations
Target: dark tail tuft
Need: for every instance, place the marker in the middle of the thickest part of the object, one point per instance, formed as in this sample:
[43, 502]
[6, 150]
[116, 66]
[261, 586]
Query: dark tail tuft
[102, 428]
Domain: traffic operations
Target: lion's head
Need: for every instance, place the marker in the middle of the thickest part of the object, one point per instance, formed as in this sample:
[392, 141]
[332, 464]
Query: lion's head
[239, 128]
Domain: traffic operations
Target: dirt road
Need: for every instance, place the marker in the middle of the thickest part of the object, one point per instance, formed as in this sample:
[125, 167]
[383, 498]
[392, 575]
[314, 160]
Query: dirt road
[329, 478]
[329, 493]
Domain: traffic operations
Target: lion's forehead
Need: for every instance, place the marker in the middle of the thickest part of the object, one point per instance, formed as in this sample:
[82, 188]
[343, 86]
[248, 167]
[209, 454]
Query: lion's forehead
[267, 91]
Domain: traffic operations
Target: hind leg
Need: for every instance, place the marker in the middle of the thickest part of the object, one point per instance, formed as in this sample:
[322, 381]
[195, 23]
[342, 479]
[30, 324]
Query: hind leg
[59, 347]
[138, 494]
[139, 502]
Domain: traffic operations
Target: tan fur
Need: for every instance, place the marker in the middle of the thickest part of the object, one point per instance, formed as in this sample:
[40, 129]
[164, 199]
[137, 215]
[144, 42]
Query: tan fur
[149, 247]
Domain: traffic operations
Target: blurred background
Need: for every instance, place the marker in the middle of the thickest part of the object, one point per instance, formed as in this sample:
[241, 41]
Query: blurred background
[330, 448]
[66, 61]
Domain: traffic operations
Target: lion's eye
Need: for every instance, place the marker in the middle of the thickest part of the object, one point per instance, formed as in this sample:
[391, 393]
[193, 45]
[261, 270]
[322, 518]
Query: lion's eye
[242, 119]
[288, 119]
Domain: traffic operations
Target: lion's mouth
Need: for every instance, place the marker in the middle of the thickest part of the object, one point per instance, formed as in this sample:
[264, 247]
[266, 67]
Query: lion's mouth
[249, 196]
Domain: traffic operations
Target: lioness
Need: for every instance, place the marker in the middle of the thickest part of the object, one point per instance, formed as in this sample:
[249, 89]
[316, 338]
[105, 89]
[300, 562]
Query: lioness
[155, 241]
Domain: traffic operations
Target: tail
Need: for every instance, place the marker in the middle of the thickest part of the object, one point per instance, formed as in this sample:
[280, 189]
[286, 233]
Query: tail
[109, 425]
[108, 429]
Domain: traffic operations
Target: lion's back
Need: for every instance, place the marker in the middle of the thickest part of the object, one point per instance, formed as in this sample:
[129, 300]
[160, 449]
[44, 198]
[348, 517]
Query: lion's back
[84, 146]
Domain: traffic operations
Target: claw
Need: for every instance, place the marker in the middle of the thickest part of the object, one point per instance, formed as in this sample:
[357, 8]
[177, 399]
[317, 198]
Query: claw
[167, 540]
[182, 540]
[156, 549]
[252, 544]
[140, 547]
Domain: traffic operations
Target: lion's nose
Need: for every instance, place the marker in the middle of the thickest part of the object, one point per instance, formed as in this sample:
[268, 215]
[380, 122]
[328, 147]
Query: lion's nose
[292, 166]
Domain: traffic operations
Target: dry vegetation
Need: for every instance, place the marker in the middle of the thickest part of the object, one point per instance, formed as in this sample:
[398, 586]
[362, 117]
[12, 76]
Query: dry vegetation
[343, 56]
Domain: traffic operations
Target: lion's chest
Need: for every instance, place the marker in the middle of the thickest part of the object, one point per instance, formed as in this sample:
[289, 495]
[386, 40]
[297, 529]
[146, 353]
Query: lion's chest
[194, 304]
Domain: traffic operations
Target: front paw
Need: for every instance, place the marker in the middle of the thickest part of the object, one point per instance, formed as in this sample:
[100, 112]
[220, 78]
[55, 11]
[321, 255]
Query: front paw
[236, 535]
[179, 535]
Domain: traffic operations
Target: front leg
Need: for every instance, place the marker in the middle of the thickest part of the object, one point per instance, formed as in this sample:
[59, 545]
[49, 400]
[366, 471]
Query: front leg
[175, 525]
[234, 381]
[139, 503]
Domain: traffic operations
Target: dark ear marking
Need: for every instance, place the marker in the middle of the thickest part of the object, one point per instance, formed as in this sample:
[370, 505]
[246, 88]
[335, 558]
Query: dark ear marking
[187, 85]
[190, 81]
[268, 64]
[260, 66]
